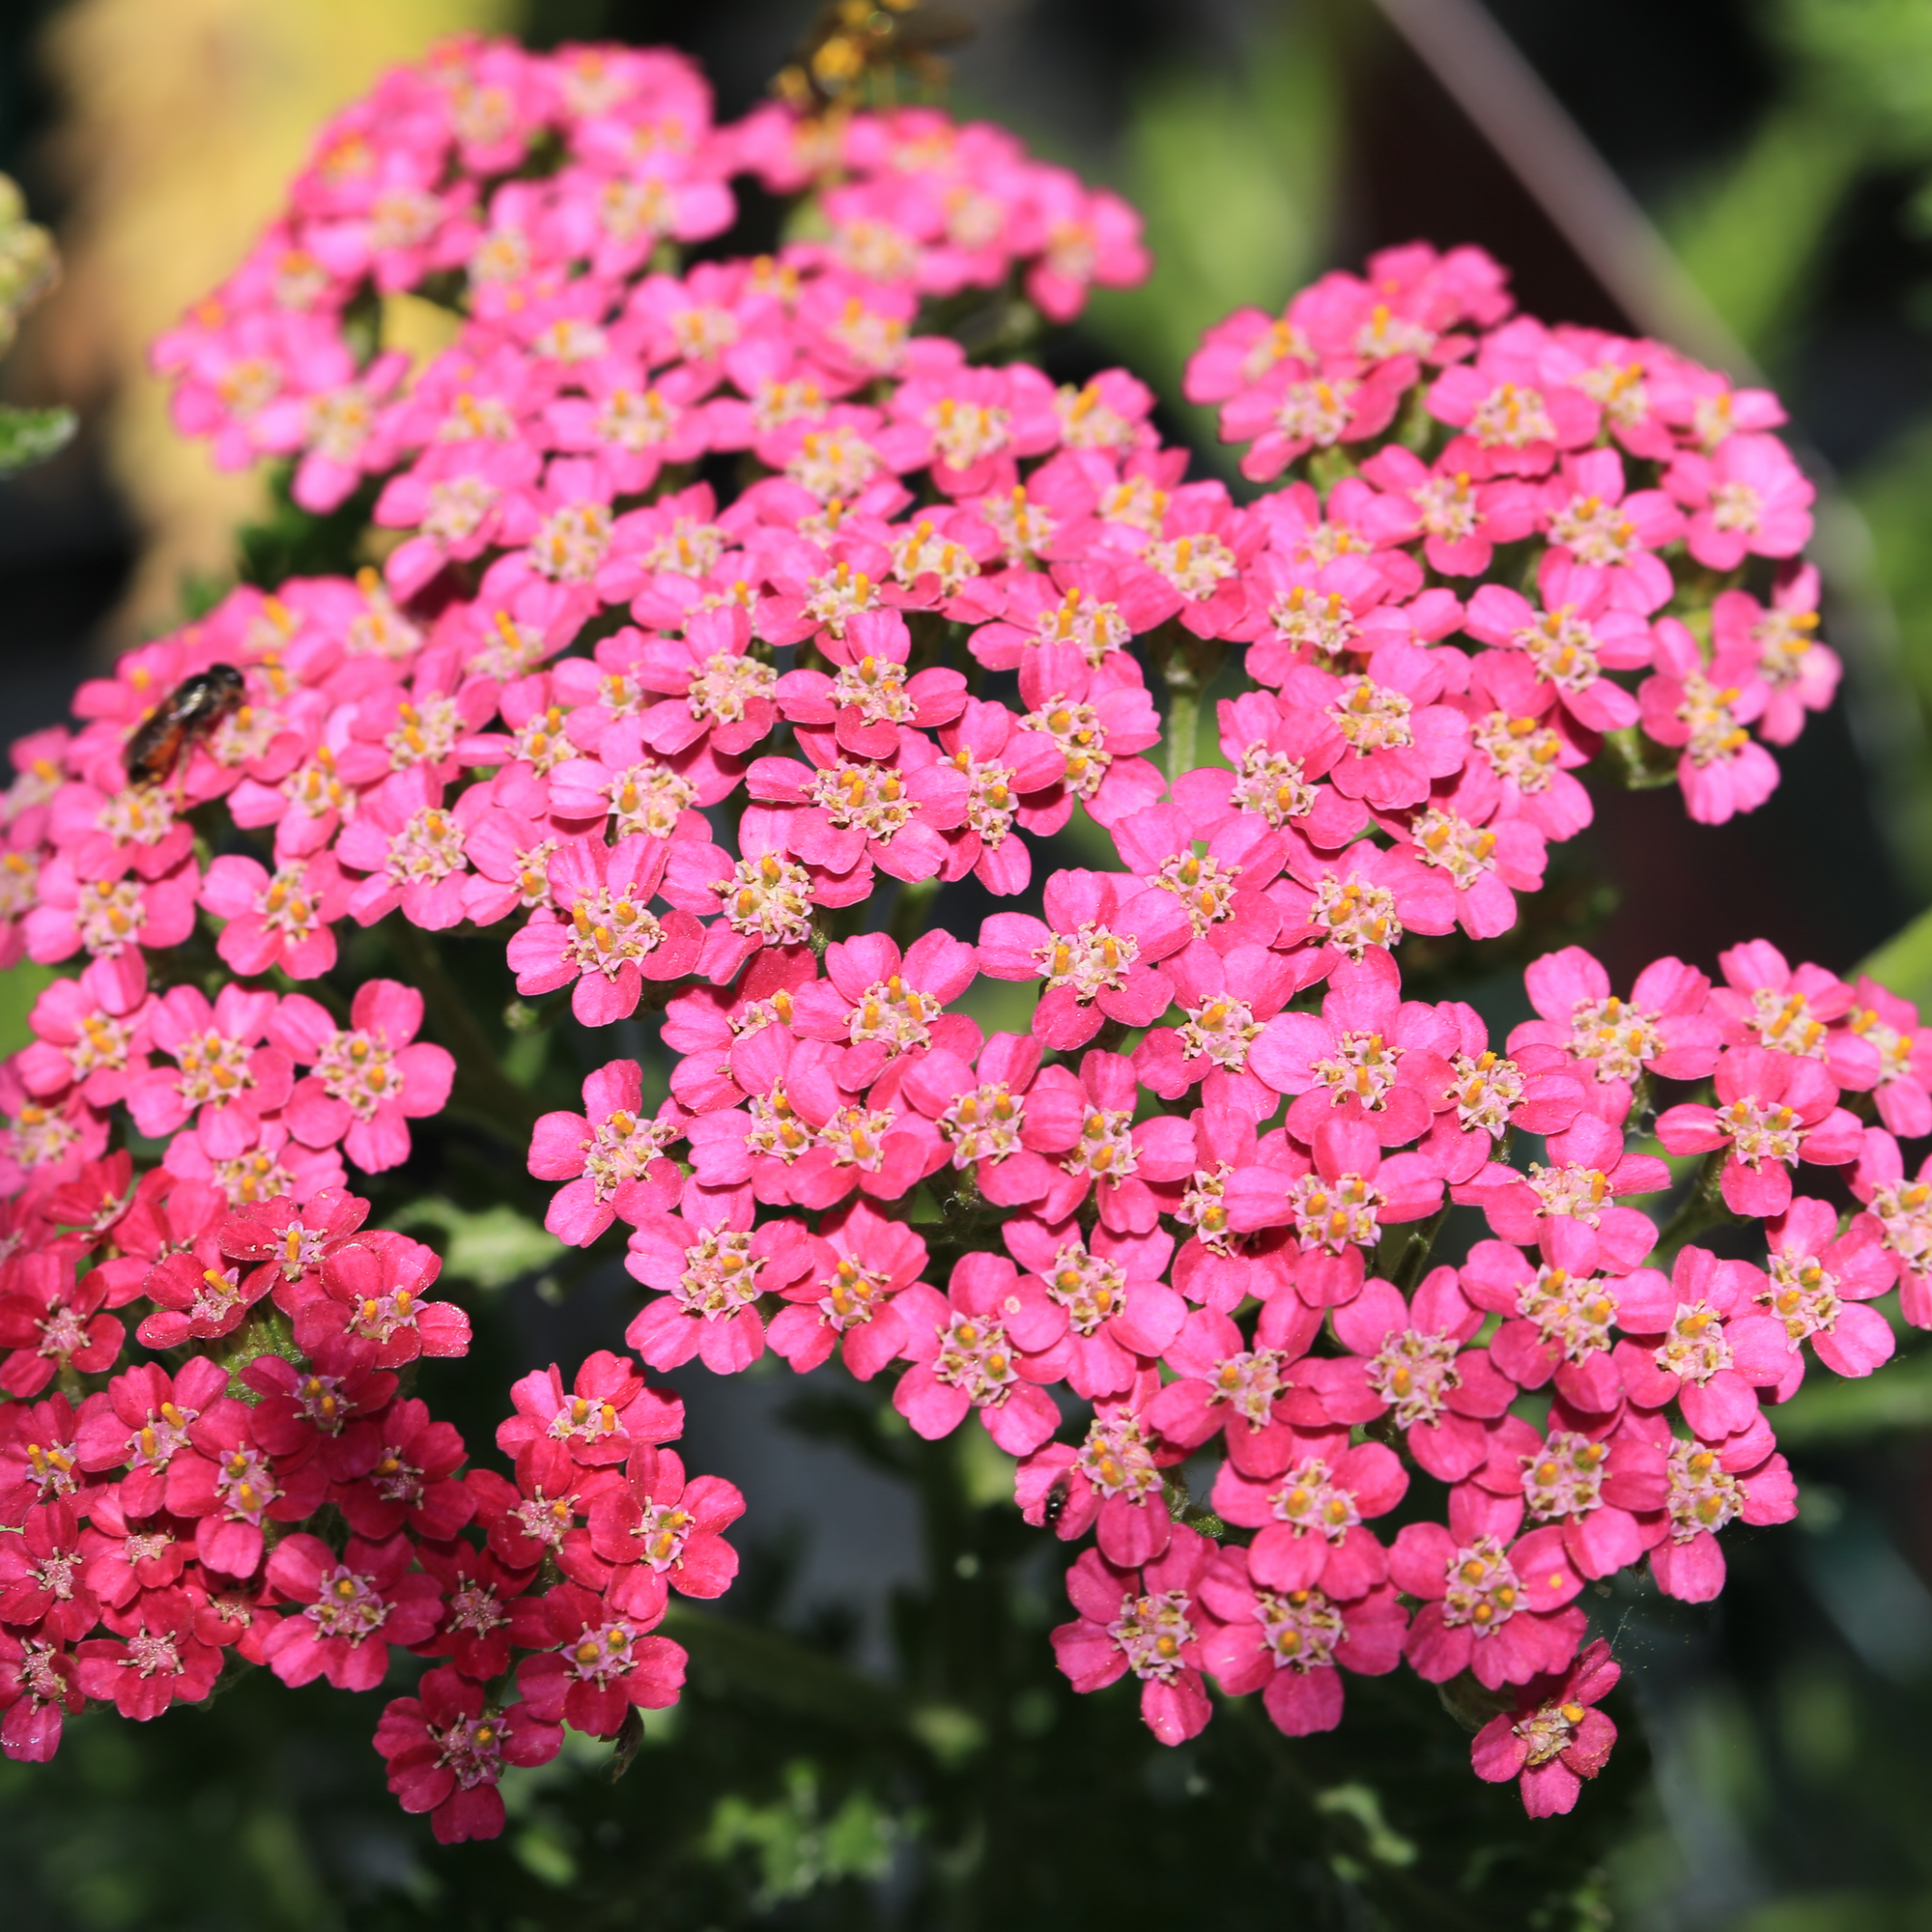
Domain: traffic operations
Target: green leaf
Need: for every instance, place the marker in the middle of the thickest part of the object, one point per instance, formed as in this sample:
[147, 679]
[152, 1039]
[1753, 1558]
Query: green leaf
[491, 1247]
[31, 436]
[19, 988]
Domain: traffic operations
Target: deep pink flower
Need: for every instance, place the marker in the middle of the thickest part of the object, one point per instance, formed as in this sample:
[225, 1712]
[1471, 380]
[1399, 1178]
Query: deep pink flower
[1276, 753]
[1369, 1055]
[1460, 516]
[859, 1263]
[1555, 1737]
[1576, 638]
[1362, 898]
[1085, 604]
[156, 1661]
[1504, 1610]
[1706, 709]
[1119, 1311]
[281, 919]
[1711, 1485]
[712, 1268]
[1817, 1284]
[1604, 542]
[411, 1482]
[1230, 1000]
[601, 941]
[603, 1664]
[444, 1752]
[1098, 718]
[659, 1532]
[40, 1683]
[1399, 738]
[1098, 950]
[375, 1298]
[1701, 1340]
[90, 1033]
[480, 1606]
[1152, 1622]
[1244, 1394]
[884, 1005]
[1891, 1026]
[1223, 891]
[1286, 1640]
[611, 1156]
[223, 1078]
[1801, 673]
[144, 1424]
[1334, 1204]
[1515, 404]
[1013, 779]
[1774, 1112]
[1766, 1002]
[1557, 1314]
[1534, 1089]
[127, 1555]
[313, 1412]
[412, 849]
[1588, 1169]
[230, 1485]
[352, 1609]
[1113, 1479]
[51, 1323]
[1523, 748]
[1294, 408]
[369, 1078]
[542, 1513]
[973, 1348]
[609, 1412]
[1661, 1029]
[41, 1575]
[1088, 1120]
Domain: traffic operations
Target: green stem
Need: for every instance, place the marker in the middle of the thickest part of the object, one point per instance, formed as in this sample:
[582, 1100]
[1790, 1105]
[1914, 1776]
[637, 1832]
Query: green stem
[1421, 1244]
[1702, 1208]
[909, 914]
[1184, 730]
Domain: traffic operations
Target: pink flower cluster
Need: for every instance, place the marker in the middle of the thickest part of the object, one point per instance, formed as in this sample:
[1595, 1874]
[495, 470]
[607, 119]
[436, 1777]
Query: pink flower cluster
[163, 1527]
[670, 732]
[581, 339]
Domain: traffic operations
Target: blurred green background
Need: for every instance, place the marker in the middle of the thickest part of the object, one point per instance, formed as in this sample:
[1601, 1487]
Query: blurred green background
[876, 1737]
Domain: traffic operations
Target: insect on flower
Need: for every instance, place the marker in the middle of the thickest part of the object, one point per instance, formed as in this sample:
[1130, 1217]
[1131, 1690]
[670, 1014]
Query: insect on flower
[191, 711]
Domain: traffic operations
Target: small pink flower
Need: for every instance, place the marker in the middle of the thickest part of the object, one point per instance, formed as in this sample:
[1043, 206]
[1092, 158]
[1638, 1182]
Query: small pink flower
[859, 1263]
[1891, 1024]
[1747, 498]
[1711, 1485]
[1119, 1311]
[412, 849]
[352, 1608]
[282, 919]
[51, 1324]
[601, 941]
[1515, 404]
[223, 1079]
[1098, 950]
[711, 1268]
[1816, 1284]
[609, 1412]
[1152, 1622]
[230, 1485]
[1774, 1112]
[604, 1663]
[973, 1348]
[1661, 1029]
[1766, 1002]
[40, 1683]
[411, 1482]
[158, 1661]
[1555, 1737]
[661, 1532]
[1460, 516]
[444, 1753]
[375, 1298]
[1098, 718]
[91, 1033]
[1369, 1055]
[1588, 1169]
[1503, 1610]
[1801, 673]
[1087, 1121]
[368, 1079]
[1557, 1316]
[611, 1156]
[1286, 1640]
